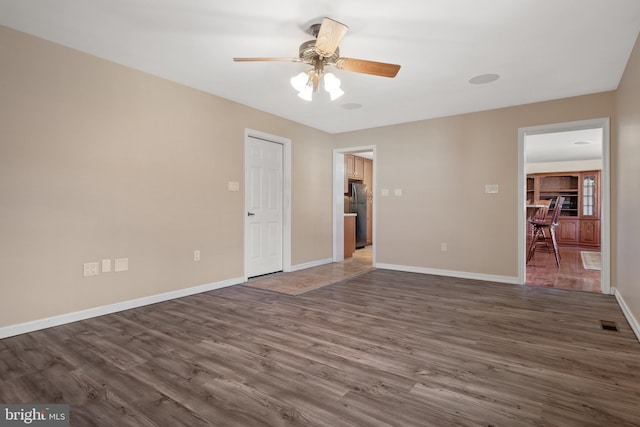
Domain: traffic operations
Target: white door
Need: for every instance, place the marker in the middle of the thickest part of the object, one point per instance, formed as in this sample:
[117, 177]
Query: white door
[264, 185]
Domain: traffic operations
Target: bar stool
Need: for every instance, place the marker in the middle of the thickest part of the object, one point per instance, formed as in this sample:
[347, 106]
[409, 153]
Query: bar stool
[544, 230]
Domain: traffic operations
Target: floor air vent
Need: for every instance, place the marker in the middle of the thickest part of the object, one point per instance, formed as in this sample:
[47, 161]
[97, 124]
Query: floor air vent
[608, 325]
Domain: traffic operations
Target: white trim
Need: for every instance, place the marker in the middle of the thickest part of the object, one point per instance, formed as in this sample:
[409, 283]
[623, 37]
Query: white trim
[286, 195]
[338, 201]
[306, 265]
[522, 226]
[35, 325]
[338, 205]
[450, 273]
[605, 193]
[633, 322]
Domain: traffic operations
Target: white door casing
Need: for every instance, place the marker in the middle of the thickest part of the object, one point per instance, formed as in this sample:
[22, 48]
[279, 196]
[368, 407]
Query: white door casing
[264, 205]
[605, 193]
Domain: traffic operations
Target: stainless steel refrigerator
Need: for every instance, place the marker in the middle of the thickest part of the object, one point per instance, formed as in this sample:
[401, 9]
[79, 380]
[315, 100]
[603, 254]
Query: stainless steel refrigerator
[358, 205]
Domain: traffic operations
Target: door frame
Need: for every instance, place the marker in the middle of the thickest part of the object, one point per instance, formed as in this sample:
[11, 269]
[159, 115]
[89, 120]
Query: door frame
[338, 200]
[605, 193]
[286, 196]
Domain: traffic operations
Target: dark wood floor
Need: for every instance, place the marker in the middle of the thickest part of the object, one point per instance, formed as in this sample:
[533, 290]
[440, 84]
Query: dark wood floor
[384, 348]
[542, 270]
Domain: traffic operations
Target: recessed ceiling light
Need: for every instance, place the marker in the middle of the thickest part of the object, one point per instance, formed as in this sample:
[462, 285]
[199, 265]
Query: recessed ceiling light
[351, 106]
[582, 142]
[484, 79]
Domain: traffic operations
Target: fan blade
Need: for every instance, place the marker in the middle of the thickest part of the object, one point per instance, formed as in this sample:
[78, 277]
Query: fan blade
[368, 67]
[265, 59]
[329, 36]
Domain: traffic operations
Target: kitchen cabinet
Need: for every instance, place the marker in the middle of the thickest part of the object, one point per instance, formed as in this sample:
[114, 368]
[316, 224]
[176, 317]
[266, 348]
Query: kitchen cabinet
[354, 166]
[349, 235]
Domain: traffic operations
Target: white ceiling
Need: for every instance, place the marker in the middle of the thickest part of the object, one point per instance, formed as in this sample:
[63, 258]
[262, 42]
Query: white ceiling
[542, 49]
[562, 147]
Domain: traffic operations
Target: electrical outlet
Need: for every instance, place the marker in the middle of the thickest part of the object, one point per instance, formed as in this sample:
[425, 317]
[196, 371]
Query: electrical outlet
[121, 264]
[443, 247]
[90, 269]
[196, 255]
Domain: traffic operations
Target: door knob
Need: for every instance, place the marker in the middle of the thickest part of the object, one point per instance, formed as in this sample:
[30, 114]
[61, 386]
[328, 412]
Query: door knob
[250, 214]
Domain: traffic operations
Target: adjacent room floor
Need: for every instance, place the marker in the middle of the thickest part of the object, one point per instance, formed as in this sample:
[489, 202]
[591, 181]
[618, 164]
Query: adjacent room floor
[572, 274]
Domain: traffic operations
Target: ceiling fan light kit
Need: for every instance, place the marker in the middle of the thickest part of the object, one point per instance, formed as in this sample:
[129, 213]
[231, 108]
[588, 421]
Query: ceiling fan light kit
[332, 85]
[324, 51]
[304, 84]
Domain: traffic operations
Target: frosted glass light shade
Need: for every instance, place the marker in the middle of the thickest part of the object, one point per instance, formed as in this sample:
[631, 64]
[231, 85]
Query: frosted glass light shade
[306, 93]
[332, 85]
[300, 81]
[331, 82]
[336, 93]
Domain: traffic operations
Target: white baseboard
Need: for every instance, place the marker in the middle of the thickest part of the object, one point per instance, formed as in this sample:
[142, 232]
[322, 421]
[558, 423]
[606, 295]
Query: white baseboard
[633, 322]
[35, 325]
[450, 273]
[311, 264]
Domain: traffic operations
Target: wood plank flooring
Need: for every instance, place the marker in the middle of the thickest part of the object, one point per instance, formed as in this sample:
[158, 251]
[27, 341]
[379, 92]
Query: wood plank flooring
[383, 348]
[543, 271]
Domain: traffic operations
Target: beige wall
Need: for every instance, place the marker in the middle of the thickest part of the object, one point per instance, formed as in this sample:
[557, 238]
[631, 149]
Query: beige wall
[101, 161]
[626, 178]
[442, 166]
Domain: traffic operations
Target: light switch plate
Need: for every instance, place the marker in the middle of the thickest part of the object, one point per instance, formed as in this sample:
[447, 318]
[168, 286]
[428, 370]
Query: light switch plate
[121, 264]
[196, 255]
[106, 265]
[384, 192]
[491, 188]
[233, 186]
[397, 192]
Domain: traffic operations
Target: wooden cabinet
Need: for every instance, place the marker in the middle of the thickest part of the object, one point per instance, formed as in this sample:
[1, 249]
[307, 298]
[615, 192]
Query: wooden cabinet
[579, 222]
[566, 185]
[590, 195]
[567, 231]
[590, 232]
[349, 235]
[354, 166]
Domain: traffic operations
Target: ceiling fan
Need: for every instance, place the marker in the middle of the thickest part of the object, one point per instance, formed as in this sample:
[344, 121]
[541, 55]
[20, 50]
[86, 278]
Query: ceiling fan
[324, 51]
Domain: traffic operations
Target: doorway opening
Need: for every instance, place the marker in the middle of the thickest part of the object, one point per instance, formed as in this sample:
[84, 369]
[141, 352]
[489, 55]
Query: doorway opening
[354, 206]
[567, 162]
